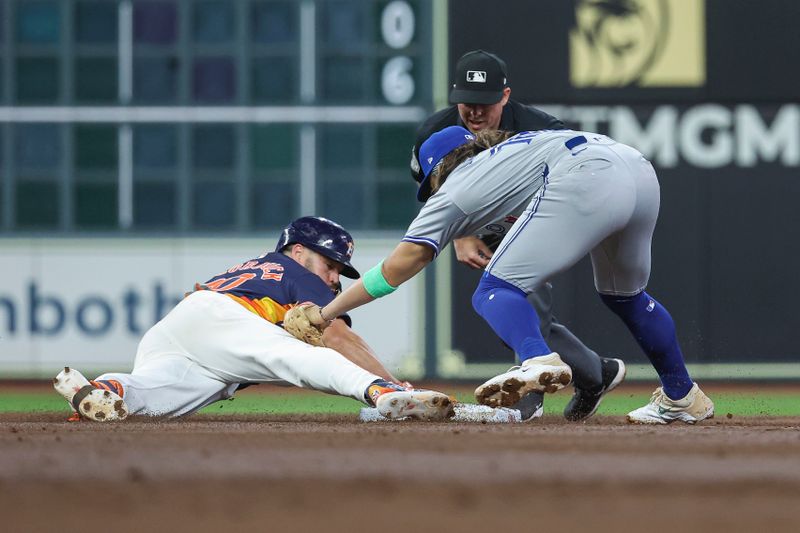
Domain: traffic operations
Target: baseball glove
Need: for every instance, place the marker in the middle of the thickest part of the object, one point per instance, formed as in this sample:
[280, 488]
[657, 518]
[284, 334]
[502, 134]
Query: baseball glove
[305, 322]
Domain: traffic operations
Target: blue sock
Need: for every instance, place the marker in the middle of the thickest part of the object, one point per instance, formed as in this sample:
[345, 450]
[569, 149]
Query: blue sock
[654, 330]
[508, 312]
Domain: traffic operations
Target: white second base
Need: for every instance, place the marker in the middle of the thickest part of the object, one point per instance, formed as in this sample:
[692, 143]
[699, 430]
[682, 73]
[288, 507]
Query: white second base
[465, 412]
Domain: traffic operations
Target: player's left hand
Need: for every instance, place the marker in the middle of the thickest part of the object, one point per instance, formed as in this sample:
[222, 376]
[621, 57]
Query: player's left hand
[472, 251]
[305, 322]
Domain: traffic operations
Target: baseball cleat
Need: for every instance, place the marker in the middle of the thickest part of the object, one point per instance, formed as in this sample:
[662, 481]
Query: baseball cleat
[585, 403]
[547, 373]
[100, 401]
[692, 408]
[417, 404]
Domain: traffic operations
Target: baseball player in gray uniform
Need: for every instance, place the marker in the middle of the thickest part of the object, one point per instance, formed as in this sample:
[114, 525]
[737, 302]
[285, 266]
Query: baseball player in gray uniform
[572, 194]
[481, 95]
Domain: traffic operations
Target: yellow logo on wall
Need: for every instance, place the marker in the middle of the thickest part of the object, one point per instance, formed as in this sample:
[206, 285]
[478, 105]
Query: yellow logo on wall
[644, 43]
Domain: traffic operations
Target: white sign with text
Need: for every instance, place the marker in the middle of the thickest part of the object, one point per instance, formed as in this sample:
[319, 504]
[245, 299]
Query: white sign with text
[86, 302]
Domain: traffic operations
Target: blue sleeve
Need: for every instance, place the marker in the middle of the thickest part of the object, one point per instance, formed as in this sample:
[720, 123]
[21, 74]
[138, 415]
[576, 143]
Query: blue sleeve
[309, 288]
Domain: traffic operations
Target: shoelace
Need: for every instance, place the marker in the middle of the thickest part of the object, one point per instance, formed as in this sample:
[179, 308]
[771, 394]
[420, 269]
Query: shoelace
[658, 396]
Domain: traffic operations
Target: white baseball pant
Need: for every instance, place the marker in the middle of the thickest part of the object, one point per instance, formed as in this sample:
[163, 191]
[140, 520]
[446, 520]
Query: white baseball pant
[209, 344]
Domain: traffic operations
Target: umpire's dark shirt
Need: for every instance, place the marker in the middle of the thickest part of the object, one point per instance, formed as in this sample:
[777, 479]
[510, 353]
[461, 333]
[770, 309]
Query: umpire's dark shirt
[516, 117]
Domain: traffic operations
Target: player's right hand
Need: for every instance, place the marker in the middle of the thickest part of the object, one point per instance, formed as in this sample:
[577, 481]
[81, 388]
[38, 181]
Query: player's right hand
[472, 251]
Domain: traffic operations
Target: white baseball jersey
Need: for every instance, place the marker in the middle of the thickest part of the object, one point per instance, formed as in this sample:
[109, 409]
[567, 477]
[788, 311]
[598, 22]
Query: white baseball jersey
[556, 196]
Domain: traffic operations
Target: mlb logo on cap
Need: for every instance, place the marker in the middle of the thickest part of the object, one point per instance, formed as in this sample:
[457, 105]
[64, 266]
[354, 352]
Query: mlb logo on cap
[480, 78]
[476, 76]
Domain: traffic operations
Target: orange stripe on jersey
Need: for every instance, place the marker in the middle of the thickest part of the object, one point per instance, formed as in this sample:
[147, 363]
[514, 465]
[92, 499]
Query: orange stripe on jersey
[266, 308]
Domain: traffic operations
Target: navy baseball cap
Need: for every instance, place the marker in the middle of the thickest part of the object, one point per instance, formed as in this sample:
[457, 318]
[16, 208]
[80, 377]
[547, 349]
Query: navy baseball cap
[434, 149]
[480, 78]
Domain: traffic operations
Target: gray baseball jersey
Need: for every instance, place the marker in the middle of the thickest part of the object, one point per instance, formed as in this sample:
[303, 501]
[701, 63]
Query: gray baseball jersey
[555, 196]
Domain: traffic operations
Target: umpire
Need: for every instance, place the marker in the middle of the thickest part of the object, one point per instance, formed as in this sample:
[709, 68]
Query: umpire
[481, 95]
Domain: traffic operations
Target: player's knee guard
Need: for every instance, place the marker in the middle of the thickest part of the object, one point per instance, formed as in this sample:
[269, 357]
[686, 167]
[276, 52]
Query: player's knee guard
[487, 284]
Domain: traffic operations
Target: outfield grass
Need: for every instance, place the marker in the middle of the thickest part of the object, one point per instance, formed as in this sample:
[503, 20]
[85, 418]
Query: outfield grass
[744, 403]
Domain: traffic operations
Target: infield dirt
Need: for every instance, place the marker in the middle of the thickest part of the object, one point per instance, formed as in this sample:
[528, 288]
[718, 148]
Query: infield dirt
[337, 474]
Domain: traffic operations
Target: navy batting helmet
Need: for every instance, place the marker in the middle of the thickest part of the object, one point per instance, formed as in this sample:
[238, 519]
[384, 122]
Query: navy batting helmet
[323, 236]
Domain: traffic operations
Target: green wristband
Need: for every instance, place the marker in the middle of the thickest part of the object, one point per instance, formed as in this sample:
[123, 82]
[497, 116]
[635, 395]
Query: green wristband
[375, 284]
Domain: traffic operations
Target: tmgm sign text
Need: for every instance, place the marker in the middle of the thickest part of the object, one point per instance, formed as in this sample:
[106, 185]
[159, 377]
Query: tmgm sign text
[702, 136]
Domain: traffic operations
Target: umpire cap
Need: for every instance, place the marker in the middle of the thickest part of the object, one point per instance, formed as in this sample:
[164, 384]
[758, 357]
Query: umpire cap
[323, 236]
[480, 78]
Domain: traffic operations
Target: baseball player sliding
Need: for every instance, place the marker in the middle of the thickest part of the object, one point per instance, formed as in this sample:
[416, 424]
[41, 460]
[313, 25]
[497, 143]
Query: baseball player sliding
[228, 334]
[574, 193]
